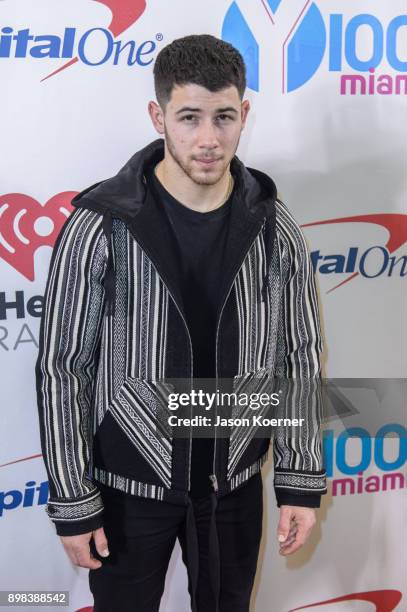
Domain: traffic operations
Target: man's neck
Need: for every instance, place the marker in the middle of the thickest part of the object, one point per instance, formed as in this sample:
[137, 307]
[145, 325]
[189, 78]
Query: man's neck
[202, 198]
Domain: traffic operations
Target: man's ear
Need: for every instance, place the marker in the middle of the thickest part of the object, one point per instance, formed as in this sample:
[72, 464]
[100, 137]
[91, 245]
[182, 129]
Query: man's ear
[157, 116]
[245, 111]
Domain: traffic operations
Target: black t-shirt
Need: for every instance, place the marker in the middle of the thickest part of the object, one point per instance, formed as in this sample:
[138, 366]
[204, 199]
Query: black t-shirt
[200, 238]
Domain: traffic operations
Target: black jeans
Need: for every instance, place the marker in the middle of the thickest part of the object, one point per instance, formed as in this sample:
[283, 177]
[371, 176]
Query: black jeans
[142, 533]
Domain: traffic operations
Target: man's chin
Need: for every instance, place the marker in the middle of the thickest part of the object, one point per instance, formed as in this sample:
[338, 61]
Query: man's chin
[206, 177]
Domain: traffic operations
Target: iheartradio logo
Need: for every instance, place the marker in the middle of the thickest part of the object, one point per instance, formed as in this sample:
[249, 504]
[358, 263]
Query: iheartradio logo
[25, 225]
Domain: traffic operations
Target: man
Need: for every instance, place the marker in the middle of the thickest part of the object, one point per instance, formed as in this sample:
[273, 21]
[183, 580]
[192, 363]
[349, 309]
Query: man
[182, 266]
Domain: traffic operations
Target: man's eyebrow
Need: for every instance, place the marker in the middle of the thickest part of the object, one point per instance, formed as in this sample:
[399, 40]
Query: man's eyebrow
[227, 109]
[189, 109]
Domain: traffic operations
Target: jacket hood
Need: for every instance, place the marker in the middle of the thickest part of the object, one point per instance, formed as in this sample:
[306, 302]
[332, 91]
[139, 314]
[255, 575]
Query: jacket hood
[123, 194]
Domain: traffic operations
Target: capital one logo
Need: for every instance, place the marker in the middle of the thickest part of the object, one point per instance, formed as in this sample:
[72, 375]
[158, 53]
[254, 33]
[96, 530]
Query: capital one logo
[377, 260]
[94, 47]
[25, 225]
[295, 37]
[33, 493]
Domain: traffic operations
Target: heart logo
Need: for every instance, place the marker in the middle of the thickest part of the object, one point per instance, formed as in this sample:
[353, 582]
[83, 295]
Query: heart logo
[26, 225]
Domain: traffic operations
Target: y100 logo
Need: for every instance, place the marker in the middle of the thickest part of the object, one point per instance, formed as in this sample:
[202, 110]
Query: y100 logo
[377, 260]
[372, 451]
[305, 36]
[94, 47]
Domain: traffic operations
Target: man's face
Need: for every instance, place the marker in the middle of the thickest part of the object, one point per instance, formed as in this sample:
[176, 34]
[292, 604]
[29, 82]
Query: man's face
[202, 130]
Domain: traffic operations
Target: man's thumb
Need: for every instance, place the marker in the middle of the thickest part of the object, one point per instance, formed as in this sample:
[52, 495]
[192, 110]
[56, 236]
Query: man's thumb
[283, 527]
[101, 542]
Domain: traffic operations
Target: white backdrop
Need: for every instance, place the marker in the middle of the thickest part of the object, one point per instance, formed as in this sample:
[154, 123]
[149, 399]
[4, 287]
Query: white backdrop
[335, 155]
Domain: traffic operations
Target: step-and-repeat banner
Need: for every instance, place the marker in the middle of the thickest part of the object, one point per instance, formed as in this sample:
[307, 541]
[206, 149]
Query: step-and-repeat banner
[327, 81]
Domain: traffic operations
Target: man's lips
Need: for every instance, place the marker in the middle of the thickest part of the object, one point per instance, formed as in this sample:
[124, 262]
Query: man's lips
[207, 161]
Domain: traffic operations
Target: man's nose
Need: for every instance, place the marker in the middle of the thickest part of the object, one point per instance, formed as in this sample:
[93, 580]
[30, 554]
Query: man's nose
[207, 138]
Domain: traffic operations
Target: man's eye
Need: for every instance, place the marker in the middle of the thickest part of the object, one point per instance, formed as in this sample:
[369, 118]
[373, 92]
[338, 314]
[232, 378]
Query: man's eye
[188, 118]
[224, 117]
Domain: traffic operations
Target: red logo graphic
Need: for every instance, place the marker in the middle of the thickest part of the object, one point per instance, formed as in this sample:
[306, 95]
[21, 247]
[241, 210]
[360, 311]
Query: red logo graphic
[384, 601]
[25, 225]
[20, 460]
[395, 224]
[124, 14]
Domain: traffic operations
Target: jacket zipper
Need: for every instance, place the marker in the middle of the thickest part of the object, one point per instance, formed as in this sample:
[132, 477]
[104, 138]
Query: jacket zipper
[212, 477]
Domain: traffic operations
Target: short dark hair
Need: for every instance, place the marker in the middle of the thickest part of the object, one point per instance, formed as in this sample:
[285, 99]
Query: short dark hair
[200, 59]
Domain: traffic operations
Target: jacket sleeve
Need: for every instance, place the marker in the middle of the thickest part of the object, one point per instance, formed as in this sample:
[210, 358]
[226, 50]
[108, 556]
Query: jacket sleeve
[299, 475]
[69, 337]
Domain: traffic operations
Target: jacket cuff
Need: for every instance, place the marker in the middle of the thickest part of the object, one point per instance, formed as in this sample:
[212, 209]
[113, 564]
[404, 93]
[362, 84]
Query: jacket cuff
[75, 511]
[300, 482]
[79, 527]
[313, 500]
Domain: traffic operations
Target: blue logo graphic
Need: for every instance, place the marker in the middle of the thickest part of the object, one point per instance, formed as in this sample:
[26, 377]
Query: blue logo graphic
[32, 495]
[308, 36]
[306, 49]
[371, 449]
[236, 31]
[303, 54]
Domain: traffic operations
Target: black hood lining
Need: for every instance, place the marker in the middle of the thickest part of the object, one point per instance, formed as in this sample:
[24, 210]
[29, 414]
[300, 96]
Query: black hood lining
[124, 193]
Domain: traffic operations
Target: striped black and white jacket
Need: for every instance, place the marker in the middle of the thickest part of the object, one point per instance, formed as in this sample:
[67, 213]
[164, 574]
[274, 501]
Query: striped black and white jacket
[113, 331]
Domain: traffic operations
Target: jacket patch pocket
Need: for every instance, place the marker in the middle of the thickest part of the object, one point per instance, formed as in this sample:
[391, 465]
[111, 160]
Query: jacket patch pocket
[141, 410]
[248, 387]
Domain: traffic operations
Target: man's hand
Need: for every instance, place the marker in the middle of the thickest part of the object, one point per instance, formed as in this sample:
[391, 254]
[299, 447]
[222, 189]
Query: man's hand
[294, 527]
[78, 550]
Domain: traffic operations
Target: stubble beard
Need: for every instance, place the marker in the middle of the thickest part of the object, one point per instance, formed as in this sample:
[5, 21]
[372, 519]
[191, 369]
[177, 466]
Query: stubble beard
[200, 178]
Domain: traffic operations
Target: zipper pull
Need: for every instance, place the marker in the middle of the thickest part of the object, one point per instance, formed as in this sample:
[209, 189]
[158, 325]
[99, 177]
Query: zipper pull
[214, 481]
